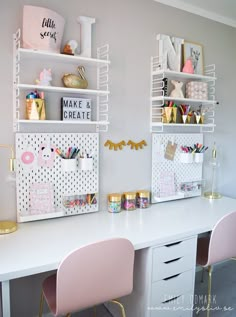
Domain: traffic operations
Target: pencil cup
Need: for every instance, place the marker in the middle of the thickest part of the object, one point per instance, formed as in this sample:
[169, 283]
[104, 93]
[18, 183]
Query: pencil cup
[198, 157]
[69, 165]
[186, 158]
[86, 163]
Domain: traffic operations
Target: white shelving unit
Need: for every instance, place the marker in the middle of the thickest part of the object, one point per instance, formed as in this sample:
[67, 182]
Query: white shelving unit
[101, 93]
[158, 98]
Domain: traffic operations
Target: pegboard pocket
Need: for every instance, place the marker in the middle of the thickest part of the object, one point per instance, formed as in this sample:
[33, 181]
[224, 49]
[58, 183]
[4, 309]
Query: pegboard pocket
[86, 163]
[186, 158]
[74, 203]
[69, 165]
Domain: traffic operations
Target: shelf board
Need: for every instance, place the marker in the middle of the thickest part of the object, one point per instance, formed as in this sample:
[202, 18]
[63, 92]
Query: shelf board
[63, 89]
[178, 75]
[184, 100]
[195, 125]
[27, 53]
[63, 122]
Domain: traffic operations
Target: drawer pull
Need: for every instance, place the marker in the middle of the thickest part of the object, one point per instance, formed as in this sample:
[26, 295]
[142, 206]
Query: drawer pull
[174, 260]
[170, 277]
[172, 244]
[170, 300]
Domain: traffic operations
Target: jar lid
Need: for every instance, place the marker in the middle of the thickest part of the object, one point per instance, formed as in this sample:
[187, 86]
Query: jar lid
[114, 197]
[130, 195]
[143, 193]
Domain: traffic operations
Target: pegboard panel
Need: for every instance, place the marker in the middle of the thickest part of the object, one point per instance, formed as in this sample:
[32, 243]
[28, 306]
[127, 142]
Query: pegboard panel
[188, 173]
[40, 171]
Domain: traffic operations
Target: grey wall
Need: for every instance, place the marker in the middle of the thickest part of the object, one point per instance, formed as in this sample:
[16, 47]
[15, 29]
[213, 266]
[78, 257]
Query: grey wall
[130, 27]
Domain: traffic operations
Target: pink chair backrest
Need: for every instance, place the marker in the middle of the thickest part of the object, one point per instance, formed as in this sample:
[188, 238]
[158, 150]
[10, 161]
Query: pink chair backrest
[94, 274]
[223, 239]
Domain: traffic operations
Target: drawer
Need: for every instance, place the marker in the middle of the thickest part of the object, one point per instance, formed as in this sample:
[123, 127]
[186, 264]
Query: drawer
[180, 306]
[173, 258]
[172, 287]
[172, 267]
[174, 250]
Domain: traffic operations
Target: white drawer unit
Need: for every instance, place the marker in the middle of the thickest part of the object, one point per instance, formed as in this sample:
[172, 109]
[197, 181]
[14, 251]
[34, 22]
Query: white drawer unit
[173, 273]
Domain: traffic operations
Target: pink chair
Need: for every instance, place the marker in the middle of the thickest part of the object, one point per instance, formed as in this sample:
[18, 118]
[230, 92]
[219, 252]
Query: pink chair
[91, 275]
[220, 246]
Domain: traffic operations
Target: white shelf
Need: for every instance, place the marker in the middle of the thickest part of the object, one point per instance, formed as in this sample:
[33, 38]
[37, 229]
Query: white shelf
[62, 122]
[55, 214]
[178, 75]
[29, 53]
[183, 125]
[63, 89]
[184, 100]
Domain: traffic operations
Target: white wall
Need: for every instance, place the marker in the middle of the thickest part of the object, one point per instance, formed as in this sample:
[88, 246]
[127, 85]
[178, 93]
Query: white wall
[130, 27]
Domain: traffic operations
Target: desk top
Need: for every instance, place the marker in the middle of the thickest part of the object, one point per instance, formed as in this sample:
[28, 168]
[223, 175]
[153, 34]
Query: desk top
[40, 246]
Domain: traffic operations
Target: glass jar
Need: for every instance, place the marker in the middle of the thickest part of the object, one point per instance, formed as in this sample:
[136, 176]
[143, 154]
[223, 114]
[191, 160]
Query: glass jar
[114, 203]
[143, 199]
[129, 201]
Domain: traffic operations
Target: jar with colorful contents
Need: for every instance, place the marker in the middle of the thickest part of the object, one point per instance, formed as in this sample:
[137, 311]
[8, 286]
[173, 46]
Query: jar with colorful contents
[143, 199]
[129, 201]
[114, 203]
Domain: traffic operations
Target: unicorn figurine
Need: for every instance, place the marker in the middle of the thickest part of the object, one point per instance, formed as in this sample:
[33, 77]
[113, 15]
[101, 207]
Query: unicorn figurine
[45, 77]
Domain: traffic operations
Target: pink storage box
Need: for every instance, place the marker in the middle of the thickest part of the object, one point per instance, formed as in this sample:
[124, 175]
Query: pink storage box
[197, 90]
[42, 29]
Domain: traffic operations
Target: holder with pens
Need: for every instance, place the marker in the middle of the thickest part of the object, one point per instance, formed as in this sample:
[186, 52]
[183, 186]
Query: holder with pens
[86, 162]
[79, 200]
[69, 159]
[191, 154]
[171, 113]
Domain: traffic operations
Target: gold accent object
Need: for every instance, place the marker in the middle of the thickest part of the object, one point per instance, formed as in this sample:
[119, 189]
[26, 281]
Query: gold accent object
[143, 193]
[130, 195]
[12, 159]
[7, 227]
[138, 145]
[115, 146]
[76, 81]
[212, 195]
[114, 197]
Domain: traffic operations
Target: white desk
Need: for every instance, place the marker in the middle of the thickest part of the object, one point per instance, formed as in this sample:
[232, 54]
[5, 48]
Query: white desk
[39, 246]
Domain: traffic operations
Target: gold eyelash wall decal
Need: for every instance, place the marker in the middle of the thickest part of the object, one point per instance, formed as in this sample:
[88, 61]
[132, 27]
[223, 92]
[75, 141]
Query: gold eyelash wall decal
[115, 146]
[138, 145]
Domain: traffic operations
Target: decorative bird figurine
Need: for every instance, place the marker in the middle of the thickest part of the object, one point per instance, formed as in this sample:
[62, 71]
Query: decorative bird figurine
[188, 66]
[76, 81]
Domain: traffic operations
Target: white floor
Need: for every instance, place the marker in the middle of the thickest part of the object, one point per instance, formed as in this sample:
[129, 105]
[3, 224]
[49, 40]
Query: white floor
[223, 294]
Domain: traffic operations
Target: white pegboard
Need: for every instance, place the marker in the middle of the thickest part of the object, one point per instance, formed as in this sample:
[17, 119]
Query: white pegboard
[183, 172]
[78, 182]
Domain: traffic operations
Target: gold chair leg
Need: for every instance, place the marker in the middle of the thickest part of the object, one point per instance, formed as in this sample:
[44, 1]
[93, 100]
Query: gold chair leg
[41, 304]
[121, 307]
[68, 315]
[94, 311]
[209, 290]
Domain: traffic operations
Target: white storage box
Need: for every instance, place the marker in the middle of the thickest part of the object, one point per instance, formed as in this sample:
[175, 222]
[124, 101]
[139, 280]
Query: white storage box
[197, 90]
[42, 29]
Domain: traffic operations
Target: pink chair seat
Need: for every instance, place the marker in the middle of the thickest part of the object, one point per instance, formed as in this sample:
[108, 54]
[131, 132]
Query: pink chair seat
[221, 244]
[91, 275]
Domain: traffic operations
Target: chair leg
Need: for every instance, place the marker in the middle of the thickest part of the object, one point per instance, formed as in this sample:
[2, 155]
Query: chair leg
[121, 307]
[94, 311]
[202, 277]
[68, 315]
[41, 304]
[209, 290]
